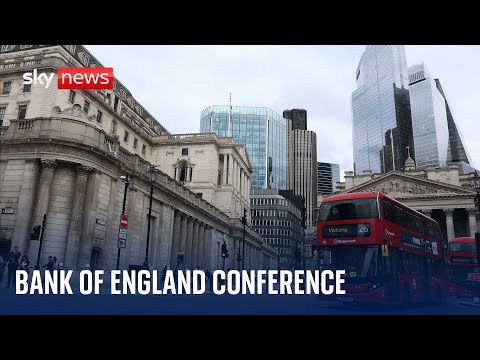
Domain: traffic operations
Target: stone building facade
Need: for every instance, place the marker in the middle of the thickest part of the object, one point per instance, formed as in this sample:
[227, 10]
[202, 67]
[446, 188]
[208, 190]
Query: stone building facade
[445, 194]
[62, 154]
[216, 169]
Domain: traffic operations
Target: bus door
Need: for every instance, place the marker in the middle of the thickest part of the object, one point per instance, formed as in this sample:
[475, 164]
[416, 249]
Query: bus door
[390, 267]
[427, 276]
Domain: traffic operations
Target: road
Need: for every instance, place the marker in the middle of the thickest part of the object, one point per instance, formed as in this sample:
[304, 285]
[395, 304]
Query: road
[206, 304]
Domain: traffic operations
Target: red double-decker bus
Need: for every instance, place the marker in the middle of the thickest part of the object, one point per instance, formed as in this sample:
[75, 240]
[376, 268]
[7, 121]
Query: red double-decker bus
[463, 268]
[391, 253]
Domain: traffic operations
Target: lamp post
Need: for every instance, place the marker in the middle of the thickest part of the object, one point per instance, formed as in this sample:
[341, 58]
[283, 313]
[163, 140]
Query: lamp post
[126, 180]
[152, 176]
[244, 221]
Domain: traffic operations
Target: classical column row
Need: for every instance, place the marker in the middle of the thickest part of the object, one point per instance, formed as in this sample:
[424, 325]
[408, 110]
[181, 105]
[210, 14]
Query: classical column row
[191, 241]
[233, 174]
[472, 219]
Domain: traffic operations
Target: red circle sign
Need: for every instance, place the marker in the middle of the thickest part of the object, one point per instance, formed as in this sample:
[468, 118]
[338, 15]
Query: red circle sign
[123, 222]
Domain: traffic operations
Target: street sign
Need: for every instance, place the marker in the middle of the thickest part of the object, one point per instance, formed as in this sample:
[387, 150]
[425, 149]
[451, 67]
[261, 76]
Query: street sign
[122, 232]
[123, 222]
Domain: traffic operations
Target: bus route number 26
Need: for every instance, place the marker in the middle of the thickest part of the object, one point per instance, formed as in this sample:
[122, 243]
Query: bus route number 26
[362, 228]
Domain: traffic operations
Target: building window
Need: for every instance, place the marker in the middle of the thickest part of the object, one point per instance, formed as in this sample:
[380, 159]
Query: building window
[71, 96]
[99, 117]
[7, 85]
[183, 172]
[125, 137]
[144, 149]
[22, 111]
[135, 142]
[7, 47]
[25, 47]
[185, 151]
[27, 88]
[114, 127]
[85, 59]
[2, 114]
[86, 106]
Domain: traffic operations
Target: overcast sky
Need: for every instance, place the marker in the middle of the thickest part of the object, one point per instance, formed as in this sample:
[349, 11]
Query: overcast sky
[175, 83]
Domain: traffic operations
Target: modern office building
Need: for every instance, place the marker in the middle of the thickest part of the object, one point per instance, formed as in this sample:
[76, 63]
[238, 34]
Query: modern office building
[298, 117]
[457, 151]
[277, 216]
[429, 118]
[382, 124]
[262, 130]
[302, 169]
[437, 138]
[327, 177]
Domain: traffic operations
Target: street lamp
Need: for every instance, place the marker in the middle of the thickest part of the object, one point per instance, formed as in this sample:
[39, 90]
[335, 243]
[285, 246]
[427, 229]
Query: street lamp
[126, 180]
[244, 222]
[152, 176]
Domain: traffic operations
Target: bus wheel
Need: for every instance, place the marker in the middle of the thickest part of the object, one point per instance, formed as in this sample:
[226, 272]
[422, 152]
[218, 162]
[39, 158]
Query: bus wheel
[406, 301]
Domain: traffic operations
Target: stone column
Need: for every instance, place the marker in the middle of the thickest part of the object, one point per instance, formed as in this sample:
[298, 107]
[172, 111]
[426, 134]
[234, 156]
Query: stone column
[199, 247]
[224, 175]
[245, 188]
[472, 221]
[449, 221]
[86, 242]
[183, 233]
[189, 243]
[207, 240]
[230, 169]
[175, 240]
[43, 196]
[234, 172]
[74, 231]
[166, 235]
[427, 212]
[23, 216]
[193, 256]
[240, 181]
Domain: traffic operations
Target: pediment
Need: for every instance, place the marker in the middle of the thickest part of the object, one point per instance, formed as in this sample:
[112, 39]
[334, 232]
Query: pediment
[397, 184]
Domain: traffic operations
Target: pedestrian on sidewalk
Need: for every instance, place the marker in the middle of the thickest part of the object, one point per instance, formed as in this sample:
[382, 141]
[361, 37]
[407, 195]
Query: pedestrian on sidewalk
[11, 268]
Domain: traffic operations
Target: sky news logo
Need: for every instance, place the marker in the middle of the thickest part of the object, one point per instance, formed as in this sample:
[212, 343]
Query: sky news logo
[73, 78]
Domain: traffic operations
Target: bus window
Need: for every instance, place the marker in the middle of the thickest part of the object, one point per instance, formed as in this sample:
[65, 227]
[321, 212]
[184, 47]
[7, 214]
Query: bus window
[348, 209]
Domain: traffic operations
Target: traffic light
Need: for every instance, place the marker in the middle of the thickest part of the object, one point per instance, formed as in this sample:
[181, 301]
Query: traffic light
[225, 253]
[35, 234]
[477, 243]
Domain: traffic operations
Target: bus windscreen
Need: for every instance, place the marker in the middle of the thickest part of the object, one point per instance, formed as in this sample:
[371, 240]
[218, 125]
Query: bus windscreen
[350, 209]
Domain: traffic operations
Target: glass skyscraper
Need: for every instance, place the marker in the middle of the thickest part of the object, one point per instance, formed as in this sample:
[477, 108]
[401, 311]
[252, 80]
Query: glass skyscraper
[327, 177]
[437, 138]
[429, 118]
[457, 151]
[382, 123]
[262, 130]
